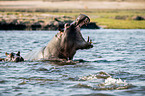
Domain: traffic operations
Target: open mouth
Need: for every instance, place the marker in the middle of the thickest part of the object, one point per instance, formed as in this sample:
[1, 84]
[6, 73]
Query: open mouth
[86, 21]
[81, 20]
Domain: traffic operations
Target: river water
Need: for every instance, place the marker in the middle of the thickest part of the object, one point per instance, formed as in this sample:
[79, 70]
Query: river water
[115, 66]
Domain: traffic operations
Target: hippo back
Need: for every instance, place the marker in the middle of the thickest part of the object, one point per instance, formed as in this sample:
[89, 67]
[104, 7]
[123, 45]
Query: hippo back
[36, 54]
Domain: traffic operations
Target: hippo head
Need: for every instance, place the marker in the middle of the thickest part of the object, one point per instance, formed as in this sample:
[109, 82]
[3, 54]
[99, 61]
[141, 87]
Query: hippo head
[71, 38]
[14, 57]
[81, 20]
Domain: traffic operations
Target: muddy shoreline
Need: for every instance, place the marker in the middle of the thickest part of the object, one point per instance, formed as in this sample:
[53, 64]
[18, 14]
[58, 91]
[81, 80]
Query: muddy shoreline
[29, 21]
[53, 25]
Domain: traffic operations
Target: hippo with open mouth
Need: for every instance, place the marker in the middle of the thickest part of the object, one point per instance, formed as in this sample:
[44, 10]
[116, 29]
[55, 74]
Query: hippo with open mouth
[64, 44]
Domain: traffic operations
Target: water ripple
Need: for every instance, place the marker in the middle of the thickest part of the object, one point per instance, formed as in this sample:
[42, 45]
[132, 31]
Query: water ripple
[116, 54]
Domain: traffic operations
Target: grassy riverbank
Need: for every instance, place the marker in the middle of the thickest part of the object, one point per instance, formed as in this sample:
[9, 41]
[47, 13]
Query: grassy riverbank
[112, 18]
[120, 16]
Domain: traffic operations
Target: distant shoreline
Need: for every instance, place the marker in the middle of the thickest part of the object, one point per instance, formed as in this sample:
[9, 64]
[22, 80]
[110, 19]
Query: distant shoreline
[28, 21]
[83, 4]
[116, 14]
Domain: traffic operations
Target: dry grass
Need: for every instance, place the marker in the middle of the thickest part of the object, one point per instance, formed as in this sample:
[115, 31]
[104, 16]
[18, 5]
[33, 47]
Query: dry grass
[73, 4]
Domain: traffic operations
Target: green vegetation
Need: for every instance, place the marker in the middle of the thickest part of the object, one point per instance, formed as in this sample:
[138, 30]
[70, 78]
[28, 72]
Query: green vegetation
[120, 24]
[106, 18]
[110, 19]
[120, 19]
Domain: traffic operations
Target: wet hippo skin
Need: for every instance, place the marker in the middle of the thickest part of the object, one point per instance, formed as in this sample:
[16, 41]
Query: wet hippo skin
[65, 43]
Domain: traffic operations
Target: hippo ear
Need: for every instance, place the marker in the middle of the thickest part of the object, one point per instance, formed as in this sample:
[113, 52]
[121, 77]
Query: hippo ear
[6, 54]
[18, 54]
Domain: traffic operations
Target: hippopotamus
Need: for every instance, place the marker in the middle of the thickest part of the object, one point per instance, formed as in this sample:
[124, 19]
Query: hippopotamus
[65, 43]
[13, 57]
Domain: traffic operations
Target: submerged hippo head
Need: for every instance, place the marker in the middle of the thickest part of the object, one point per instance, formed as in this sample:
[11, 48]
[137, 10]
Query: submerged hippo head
[71, 39]
[14, 57]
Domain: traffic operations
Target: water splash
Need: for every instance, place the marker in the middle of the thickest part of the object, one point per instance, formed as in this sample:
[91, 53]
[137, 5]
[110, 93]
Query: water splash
[102, 81]
[100, 75]
[112, 81]
[112, 84]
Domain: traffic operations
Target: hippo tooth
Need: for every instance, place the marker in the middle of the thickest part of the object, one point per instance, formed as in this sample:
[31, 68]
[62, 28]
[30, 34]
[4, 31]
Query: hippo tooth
[88, 39]
[91, 41]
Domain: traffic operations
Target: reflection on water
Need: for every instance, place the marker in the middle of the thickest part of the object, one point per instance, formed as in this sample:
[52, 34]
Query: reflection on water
[114, 66]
